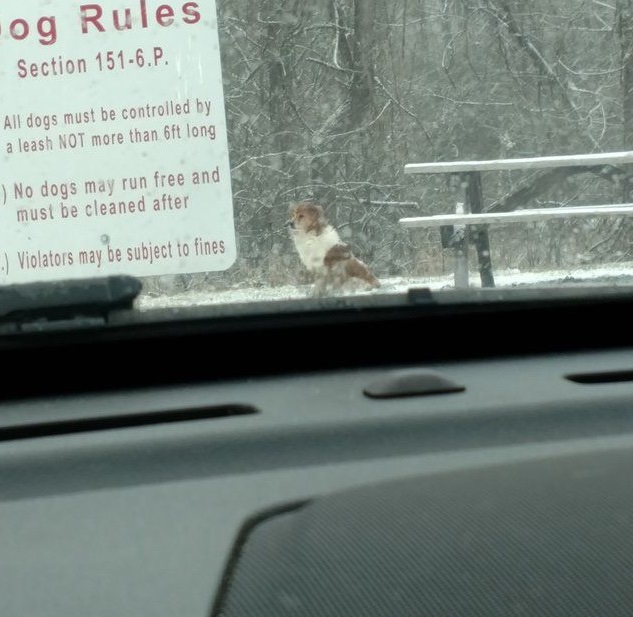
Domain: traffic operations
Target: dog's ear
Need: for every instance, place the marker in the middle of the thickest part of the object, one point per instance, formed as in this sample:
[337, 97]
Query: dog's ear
[318, 208]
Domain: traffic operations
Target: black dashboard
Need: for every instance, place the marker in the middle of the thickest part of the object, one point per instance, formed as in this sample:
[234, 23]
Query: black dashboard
[383, 462]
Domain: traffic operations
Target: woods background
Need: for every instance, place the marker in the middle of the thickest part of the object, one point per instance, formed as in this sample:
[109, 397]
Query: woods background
[330, 99]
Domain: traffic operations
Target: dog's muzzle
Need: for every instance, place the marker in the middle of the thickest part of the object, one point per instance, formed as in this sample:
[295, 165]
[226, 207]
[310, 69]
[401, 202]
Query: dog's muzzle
[290, 223]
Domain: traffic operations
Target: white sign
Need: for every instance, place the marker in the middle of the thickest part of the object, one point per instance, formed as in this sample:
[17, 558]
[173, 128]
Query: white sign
[113, 146]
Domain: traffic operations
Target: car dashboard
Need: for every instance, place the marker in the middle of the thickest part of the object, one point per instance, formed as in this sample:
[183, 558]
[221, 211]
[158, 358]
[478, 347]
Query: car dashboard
[394, 462]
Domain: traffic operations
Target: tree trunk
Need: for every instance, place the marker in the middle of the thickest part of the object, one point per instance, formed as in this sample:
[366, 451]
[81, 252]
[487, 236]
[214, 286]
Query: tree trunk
[625, 32]
[277, 49]
[353, 60]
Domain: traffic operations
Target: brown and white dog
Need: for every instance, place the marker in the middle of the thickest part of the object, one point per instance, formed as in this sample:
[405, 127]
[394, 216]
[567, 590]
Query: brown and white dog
[330, 260]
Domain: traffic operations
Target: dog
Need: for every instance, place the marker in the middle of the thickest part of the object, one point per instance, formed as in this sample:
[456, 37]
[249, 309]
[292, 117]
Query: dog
[330, 260]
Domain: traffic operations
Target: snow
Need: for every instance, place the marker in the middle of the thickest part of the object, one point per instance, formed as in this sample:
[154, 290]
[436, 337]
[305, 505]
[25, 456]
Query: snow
[613, 275]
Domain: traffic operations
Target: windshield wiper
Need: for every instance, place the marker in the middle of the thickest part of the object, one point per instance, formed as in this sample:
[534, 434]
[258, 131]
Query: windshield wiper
[76, 303]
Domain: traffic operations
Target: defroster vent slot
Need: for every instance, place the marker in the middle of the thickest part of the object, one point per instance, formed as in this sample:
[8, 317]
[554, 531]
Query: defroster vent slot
[122, 421]
[603, 377]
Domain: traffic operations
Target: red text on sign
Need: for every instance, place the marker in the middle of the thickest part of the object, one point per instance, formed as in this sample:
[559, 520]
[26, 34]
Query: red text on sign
[92, 16]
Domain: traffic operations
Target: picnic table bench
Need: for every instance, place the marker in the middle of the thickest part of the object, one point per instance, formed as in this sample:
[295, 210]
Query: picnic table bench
[455, 228]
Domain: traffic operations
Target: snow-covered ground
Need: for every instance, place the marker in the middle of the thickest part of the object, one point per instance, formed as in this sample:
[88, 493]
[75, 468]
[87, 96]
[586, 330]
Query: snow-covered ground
[614, 275]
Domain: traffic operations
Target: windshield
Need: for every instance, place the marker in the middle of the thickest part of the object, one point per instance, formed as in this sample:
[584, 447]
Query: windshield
[253, 151]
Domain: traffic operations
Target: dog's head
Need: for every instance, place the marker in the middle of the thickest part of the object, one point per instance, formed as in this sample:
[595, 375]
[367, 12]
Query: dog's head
[306, 216]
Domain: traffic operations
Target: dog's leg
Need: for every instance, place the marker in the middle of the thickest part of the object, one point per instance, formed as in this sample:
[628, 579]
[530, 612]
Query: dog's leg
[319, 288]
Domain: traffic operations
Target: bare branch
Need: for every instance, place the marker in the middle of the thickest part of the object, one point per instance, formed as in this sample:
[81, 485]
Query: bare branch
[549, 179]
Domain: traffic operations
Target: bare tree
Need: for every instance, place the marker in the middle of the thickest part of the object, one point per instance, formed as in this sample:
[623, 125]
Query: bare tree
[333, 98]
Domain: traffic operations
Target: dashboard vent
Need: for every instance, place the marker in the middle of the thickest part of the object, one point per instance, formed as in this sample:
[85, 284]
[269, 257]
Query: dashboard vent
[121, 421]
[605, 377]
